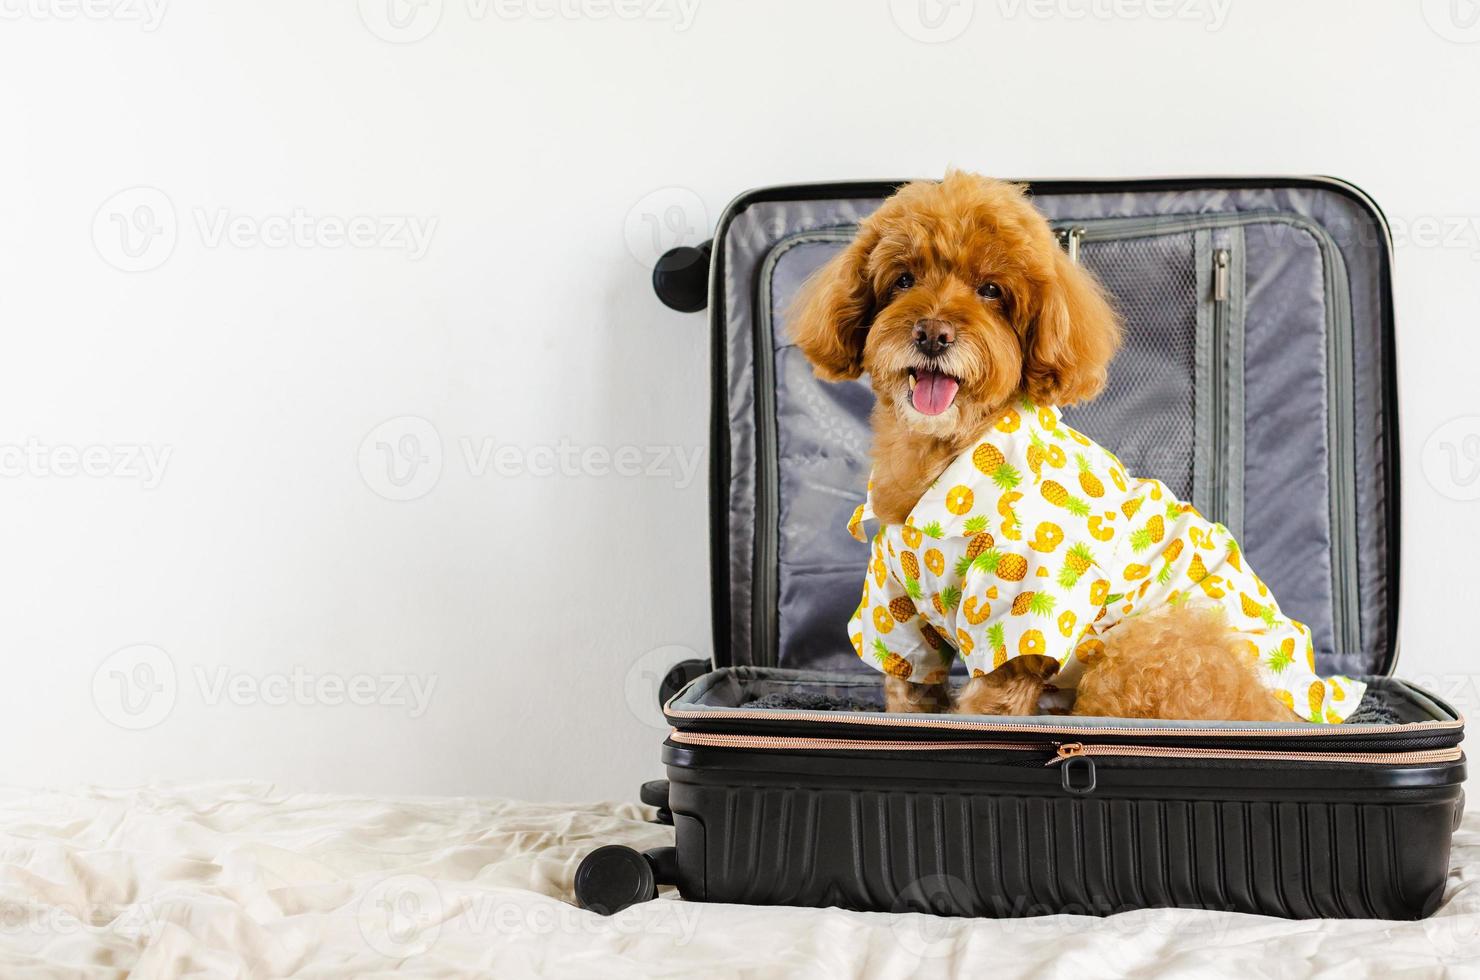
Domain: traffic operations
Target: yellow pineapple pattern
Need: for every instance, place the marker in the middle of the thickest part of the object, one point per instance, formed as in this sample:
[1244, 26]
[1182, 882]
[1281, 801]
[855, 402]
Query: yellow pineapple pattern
[1021, 548]
[1099, 530]
[1046, 537]
[935, 561]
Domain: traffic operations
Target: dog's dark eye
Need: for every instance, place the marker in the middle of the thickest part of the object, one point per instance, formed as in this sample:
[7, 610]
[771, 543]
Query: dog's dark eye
[905, 281]
[989, 290]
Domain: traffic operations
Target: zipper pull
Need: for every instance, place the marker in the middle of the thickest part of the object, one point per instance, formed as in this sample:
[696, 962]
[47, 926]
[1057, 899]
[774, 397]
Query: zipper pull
[1067, 750]
[1220, 275]
[1069, 238]
[1077, 775]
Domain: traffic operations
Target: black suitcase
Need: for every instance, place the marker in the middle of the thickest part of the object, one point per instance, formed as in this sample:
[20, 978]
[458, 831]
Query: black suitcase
[1257, 380]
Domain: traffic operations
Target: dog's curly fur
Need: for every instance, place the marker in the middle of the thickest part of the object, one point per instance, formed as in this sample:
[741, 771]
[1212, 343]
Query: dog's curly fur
[1176, 662]
[1044, 330]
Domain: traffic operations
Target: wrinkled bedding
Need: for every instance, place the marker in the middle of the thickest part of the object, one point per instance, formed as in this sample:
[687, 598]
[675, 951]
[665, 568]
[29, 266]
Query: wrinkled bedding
[244, 879]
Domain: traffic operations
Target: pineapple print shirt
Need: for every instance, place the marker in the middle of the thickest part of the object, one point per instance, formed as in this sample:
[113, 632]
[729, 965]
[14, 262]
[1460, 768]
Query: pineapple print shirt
[1038, 541]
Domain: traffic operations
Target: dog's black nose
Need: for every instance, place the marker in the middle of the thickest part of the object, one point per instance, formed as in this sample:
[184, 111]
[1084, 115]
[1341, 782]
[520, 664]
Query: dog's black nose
[932, 337]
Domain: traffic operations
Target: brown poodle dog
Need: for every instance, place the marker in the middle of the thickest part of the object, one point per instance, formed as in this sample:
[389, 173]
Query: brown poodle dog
[957, 301]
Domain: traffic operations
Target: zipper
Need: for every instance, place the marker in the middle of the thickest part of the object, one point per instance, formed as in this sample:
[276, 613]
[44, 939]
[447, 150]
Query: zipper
[1069, 239]
[986, 724]
[1341, 411]
[1074, 750]
[1222, 259]
[791, 742]
[1062, 751]
[724, 654]
[764, 638]
[1072, 234]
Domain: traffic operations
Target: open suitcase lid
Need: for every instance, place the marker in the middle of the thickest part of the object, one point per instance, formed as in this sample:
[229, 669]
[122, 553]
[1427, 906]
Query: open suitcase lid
[1256, 379]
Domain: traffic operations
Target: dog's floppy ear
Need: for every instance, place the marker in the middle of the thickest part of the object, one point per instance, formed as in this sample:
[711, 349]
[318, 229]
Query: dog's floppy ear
[1071, 339]
[829, 319]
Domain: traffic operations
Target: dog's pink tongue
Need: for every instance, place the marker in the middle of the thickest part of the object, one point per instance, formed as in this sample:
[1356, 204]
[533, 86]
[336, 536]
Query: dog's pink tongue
[933, 392]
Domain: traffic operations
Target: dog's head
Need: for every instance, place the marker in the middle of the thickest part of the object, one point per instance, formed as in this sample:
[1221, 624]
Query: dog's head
[954, 297]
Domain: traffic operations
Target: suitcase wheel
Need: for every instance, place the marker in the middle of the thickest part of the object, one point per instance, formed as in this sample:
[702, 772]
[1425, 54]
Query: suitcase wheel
[681, 277]
[614, 877]
[654, 793]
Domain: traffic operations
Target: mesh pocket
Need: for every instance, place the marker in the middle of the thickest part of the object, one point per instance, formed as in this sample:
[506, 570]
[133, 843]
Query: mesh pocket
[1147, 413]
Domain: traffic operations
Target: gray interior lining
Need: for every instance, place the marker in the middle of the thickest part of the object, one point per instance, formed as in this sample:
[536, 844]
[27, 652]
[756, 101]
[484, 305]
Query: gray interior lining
[1157, 407]
[1277, 320]
[1377, 706]
[749, 237]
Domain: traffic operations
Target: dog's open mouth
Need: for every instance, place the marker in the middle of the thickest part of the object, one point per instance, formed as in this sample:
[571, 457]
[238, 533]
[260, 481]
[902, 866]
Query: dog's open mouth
[931, 391]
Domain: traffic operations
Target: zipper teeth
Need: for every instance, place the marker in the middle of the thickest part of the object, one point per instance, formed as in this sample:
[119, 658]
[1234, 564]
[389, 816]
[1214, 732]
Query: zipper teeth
[1221, 286]
[719, 404]
[1089, 230]
[784, 742]
[1377, 758]
[1147, 226]
[888, 721]
[1342, 459]
[765, 574]
[797, 742]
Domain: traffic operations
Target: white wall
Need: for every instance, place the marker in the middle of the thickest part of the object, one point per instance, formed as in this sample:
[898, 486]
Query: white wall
[539, 154]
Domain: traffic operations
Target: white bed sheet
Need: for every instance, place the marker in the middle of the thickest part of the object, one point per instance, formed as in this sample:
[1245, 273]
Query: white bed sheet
[244, 879]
